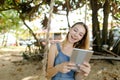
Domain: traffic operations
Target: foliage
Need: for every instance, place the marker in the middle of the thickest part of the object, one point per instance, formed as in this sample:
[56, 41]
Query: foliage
[116, 10]
[9, 23]
[9, 20]
[32, 9]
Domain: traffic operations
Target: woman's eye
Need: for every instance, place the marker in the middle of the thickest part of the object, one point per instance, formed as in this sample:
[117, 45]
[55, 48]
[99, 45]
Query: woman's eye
[81, 35]
[75, 30]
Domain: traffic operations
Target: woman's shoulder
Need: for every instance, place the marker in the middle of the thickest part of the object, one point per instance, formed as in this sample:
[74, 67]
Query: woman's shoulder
[54, 45]
[53, 48]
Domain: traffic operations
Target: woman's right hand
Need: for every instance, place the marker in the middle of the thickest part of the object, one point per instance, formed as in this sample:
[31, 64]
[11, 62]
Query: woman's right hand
[65, 67]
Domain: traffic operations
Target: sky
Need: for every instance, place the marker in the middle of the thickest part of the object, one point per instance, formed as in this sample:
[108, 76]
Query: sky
[60, 21]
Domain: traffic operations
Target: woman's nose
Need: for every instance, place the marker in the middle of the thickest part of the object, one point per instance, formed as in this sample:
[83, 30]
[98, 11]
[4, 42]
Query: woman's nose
[76, 34]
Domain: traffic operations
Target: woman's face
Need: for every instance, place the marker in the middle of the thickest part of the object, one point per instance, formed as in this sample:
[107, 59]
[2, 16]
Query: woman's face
[76, 33]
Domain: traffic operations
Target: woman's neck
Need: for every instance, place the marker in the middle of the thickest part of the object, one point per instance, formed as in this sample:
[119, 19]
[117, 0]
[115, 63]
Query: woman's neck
[67, 48]
[67, 44]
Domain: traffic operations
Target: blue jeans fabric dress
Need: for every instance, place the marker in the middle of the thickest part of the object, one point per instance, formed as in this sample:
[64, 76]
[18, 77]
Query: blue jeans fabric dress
[61, 57]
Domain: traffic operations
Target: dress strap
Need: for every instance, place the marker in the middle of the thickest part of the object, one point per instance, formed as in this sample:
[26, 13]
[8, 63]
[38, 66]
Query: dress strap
[58, 47]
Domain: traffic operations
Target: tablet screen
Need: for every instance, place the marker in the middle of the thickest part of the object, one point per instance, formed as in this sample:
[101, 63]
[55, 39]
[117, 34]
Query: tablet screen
[80, 55]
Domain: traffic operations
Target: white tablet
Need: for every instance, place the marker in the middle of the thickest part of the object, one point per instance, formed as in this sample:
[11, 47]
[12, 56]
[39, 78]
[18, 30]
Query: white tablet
[80, 55]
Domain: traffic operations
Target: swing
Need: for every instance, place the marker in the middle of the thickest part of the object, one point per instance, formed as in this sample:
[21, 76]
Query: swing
[47, 40]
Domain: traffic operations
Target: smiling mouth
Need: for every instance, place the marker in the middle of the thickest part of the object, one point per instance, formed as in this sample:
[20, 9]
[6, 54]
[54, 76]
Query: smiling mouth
[73, 38]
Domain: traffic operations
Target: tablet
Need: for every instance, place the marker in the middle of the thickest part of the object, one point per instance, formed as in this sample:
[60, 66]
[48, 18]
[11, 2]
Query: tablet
[80, 55]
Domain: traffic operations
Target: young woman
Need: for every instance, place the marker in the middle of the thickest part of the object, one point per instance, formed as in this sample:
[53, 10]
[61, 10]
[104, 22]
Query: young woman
[59, 66]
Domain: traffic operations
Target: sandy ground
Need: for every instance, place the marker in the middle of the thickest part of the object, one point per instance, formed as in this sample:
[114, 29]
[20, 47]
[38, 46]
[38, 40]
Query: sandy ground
[13, 67]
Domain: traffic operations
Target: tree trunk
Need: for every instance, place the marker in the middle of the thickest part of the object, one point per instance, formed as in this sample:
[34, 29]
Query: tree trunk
[95, 25]
[106, 11]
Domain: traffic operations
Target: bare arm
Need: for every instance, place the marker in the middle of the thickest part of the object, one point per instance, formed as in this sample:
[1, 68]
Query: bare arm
[51, 70]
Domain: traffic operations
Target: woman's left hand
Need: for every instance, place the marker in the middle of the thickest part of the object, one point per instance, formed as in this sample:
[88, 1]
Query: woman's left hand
[85, 68]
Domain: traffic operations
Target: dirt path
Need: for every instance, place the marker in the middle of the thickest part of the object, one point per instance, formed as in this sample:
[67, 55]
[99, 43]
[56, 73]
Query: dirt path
[13, 67]
[104, 70]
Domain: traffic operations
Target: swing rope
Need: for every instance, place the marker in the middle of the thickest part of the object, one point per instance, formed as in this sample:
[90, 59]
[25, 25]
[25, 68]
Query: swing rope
[47, 39]
[85, 12]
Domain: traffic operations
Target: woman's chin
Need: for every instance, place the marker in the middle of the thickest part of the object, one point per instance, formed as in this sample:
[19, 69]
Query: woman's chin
[72, 41]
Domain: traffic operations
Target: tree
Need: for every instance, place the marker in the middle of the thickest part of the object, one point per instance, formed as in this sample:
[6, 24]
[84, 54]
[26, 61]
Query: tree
[29, 12]
[107, 6]
[95, 24]
[10, 22]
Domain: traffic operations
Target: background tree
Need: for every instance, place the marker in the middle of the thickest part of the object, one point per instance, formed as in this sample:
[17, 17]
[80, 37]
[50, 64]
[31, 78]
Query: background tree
[95, 6]
[102, 38]
[32, 9]
[9, 22]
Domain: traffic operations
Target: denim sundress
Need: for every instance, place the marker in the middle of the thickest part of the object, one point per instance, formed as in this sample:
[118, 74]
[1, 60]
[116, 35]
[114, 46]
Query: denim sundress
[61, 57]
